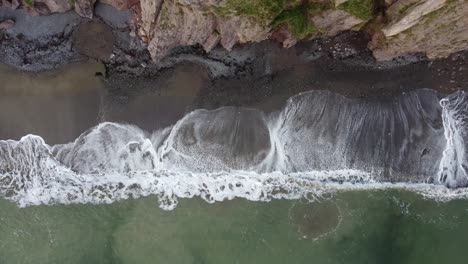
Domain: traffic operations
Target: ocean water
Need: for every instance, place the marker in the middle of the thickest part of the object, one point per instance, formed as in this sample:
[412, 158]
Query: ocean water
[325, 179]
[351, 227]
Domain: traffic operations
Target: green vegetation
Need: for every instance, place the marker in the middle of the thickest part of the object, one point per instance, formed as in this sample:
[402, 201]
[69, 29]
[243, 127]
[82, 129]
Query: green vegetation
[359, 8]
[29, 2]
[164, 21]
[297, 19]
[405, 8]
[314, 8]
[264, 10]
[297, 22]
[449, 7]
[295, 14]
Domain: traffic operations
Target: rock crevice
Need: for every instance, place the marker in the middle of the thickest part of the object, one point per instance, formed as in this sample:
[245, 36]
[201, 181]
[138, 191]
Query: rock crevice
[435, 28]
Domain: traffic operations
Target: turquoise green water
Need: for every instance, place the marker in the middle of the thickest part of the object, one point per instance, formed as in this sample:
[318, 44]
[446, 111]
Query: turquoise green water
[352, 227]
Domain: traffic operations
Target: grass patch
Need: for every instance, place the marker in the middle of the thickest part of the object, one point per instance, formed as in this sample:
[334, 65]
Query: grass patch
[449, 7]
[297, 22]
[297, 19]
[294, 13]
[405, 8]
[264, 10]
[359, 8]
[164, 21]
[29, 2]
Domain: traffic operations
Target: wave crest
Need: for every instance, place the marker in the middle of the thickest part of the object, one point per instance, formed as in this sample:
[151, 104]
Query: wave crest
[318, 144]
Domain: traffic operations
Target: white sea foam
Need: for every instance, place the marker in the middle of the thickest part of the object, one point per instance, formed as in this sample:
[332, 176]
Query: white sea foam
[318, 145]
[453, 169]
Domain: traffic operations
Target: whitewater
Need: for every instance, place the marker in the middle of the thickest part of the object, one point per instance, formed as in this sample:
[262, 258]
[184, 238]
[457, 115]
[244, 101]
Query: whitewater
[318, 144]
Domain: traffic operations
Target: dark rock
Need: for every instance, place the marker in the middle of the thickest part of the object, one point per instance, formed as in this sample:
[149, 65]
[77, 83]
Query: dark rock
[85, 8]
[7, 24]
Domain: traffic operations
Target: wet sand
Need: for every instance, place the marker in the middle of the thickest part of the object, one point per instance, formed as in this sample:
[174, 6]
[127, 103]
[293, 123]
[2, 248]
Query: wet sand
[62, 104]
[59, 105]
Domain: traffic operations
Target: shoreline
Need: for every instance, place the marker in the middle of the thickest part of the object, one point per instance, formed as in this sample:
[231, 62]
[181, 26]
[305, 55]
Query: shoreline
[338, 63]
[153, 102]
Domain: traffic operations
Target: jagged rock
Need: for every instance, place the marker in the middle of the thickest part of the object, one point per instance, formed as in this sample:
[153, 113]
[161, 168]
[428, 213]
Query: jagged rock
[395, 9]
[334, 21]
[119, 4]
[435, 27]
[9, 4]
[7, 24]
[55, 6]
[412, 16]
[211, 42]
[240, 30]
[437, 34]
[41, 8]
[168, 24]
[284, 36]
[177, 25]
[44, 7]
[85, 8]
[149, 14]
[339, 2]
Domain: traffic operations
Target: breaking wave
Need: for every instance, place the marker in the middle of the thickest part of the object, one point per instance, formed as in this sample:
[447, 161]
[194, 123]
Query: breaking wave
[319, 143]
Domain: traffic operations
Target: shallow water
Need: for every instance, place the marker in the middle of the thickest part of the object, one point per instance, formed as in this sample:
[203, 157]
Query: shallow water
[350, 227]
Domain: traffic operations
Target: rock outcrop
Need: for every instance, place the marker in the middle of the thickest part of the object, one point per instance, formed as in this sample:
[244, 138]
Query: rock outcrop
[10, 3]
[166, 24]
[84, 8]
[7, 24]
[434, 27]
[171, 23]
[52, 6]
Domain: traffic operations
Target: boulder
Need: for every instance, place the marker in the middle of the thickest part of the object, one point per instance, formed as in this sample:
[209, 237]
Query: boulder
[7, 24]
[85, 8]
[211, 42]
[9, 3]
[55, 6]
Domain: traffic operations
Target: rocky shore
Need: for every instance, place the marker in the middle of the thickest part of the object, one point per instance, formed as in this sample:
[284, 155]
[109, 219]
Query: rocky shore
[365, 53]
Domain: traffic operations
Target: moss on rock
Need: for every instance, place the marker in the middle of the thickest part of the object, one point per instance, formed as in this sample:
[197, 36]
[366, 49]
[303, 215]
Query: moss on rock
[29, 2]
[296, 14]
[264, 10]
[359, 8]
[298, 19]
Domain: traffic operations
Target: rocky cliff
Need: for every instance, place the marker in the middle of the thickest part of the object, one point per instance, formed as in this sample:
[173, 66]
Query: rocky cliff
[434, 27]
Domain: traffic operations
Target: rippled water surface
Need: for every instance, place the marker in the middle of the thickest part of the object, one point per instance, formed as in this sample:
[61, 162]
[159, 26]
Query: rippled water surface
[351, 227]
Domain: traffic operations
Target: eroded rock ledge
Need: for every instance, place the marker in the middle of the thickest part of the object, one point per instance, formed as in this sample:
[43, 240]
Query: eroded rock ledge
[434, 27]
